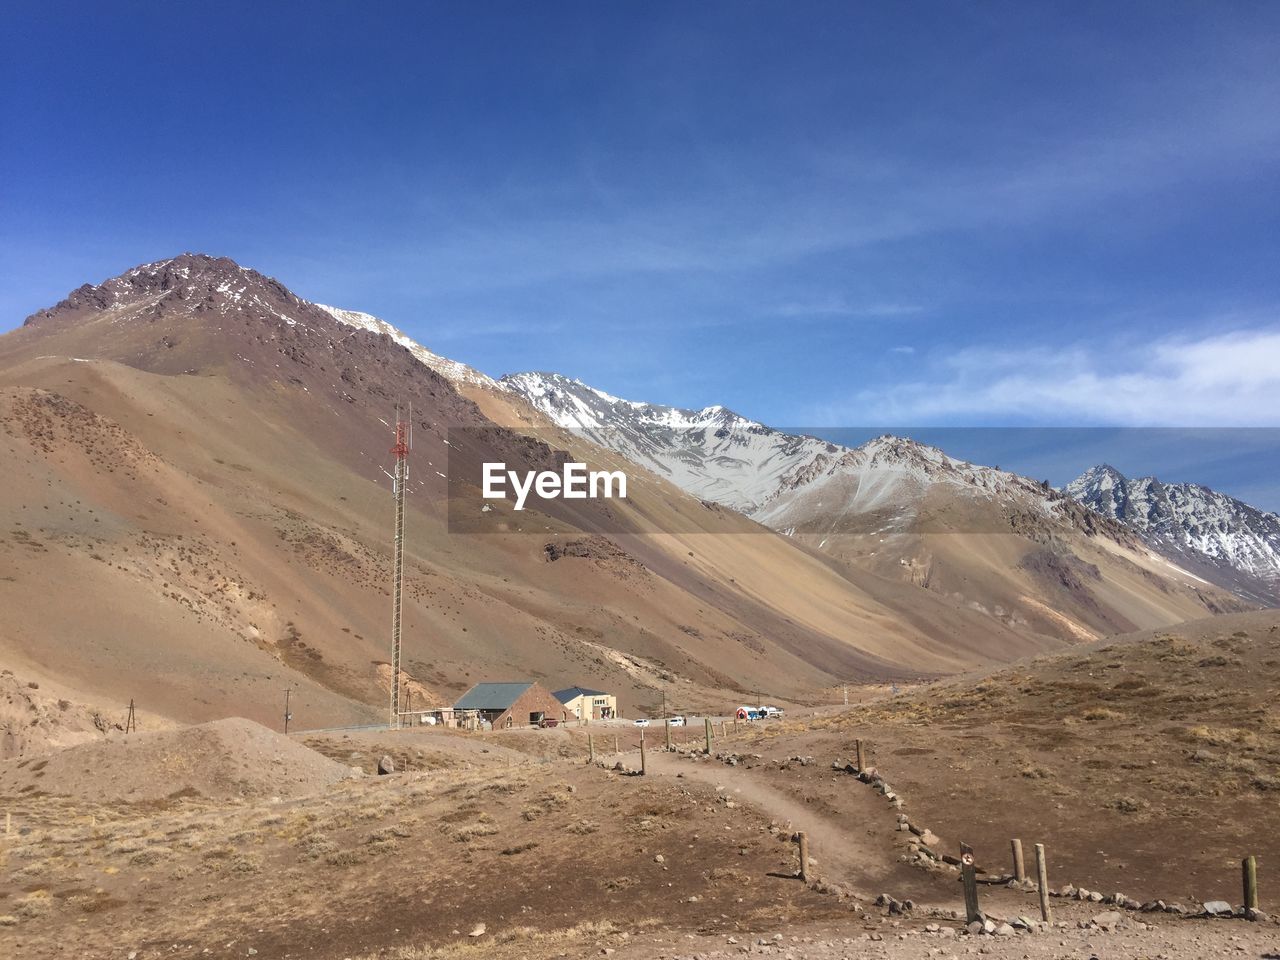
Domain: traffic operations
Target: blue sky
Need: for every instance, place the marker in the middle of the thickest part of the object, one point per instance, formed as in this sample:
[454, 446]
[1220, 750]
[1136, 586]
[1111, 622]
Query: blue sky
[817, 213]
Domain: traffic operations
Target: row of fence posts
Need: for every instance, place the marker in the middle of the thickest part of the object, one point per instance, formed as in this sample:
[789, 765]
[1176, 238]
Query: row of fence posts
[969, 872]
[968, 868]
[708, 737]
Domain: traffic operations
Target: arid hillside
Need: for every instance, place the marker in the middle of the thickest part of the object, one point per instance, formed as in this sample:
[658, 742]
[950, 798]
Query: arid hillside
[1146, 765]
[194, 515]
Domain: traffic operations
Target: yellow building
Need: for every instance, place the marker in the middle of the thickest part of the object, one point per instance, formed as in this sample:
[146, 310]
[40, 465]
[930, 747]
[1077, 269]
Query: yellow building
[588, 704]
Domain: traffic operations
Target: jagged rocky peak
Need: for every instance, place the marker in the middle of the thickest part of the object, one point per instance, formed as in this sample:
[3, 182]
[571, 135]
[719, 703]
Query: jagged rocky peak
[196, 287]
[1099, 478]
[890, 448]
[197, 279]
[1191, 522]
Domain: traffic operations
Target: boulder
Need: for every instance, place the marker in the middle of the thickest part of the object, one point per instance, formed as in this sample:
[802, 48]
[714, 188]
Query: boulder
[386, 765]
[1108, 920]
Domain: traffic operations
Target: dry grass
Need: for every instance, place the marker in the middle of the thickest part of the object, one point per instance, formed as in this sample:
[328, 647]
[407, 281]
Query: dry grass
[597, 933]
[34, 905]
[1225, 736]
[1101, 713]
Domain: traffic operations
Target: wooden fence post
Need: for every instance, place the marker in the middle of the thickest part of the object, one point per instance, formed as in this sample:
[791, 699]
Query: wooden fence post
[1019, 865]
[707, 721]
[969, 874]
[591, 749]
[667, 724]
[615, 744]
[642, 763]
[1249, 870]
[862, 758]
[1042, 879]
[804, 855]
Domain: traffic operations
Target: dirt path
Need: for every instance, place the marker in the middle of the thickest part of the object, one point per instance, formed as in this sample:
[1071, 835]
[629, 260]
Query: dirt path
[851, 840]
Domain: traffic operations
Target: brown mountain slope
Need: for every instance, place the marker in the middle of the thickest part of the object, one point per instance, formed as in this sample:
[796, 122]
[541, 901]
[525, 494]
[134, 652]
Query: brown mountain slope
[194, 513]
[1024, 555]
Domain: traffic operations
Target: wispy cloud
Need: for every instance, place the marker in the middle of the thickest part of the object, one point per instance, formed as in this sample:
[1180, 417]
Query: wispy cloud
[838, 306]
[841, 197]
[1229, 379]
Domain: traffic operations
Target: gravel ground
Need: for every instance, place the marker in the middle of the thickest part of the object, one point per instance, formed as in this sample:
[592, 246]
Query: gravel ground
[1181, 940]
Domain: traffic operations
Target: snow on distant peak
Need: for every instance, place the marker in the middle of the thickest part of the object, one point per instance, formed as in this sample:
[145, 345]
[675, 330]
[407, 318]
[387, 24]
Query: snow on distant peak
[1187, 520]
[778, 478]
[451, 370]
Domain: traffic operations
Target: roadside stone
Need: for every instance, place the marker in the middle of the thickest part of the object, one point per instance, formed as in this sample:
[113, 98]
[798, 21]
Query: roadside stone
[386, 765]
[1217, 908]
[1108, 920]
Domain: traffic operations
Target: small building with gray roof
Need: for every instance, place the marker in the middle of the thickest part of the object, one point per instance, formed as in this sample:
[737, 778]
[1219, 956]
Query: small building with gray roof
[516, 704]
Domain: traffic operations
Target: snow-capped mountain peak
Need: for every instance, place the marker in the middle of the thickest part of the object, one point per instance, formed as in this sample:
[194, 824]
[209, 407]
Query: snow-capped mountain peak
[711, 452]
[1202, 528]
[775, 477]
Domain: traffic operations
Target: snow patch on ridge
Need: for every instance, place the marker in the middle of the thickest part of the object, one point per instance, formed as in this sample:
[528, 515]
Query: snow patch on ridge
[452, 370]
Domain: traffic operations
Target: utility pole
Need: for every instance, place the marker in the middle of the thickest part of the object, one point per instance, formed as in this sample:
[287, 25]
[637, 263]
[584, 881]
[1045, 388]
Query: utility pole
[399, 481]
[287, 715]
[664, 703]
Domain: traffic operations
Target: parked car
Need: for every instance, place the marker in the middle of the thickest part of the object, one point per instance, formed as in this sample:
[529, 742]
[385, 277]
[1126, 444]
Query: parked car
[642, 721]
[677, 721]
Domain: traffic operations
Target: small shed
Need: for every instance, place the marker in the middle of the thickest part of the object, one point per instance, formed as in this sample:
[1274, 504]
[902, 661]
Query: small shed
[515, 704]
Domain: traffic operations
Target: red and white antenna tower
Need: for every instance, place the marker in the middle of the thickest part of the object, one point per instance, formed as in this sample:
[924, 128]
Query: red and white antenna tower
[399, 480]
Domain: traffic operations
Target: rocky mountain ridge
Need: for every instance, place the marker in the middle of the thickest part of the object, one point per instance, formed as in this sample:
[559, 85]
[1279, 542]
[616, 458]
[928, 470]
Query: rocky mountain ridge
[1227, 540]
